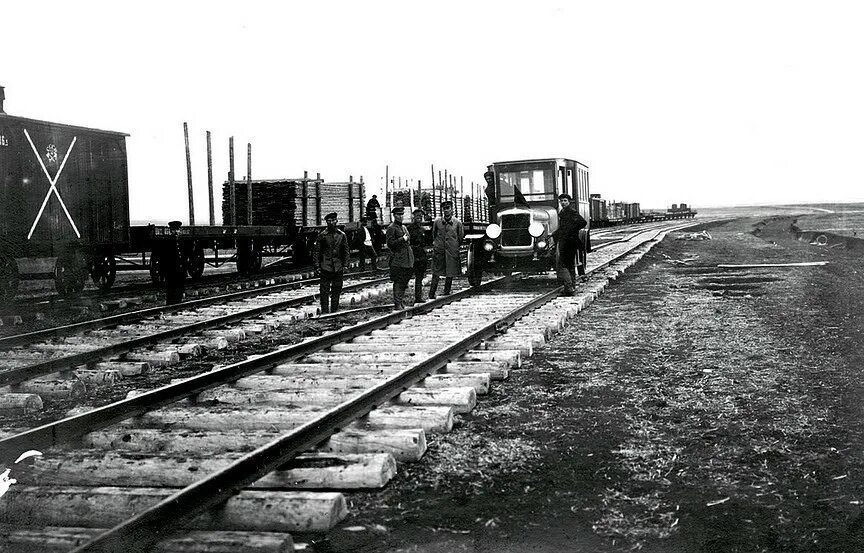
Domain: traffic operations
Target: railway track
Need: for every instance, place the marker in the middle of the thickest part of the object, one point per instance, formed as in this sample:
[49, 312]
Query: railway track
[103, 350]
[225, 460]
[30, 309]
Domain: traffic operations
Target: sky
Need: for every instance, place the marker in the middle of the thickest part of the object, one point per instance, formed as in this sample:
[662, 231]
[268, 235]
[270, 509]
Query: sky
[706, 103]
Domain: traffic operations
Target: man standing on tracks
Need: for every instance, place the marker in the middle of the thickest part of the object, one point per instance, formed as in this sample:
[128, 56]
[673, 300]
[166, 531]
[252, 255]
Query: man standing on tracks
[447, 236]
[570, 222]
[331, 258]
[174, 270]
[401, 256]
[418, 247]
[367, 248]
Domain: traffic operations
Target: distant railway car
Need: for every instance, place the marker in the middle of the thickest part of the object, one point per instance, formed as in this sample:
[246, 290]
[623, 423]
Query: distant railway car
[523, 214]
[64, 193]
[599, 216]
[632, 211]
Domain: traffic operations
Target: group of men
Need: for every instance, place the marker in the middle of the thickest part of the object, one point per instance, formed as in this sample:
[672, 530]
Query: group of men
[408, 257]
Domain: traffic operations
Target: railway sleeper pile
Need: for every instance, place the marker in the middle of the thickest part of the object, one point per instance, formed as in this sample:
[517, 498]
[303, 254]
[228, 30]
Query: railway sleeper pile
[116, 472]
[30, 396]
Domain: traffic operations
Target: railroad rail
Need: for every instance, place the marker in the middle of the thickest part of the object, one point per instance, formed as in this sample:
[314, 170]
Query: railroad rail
[151, 495]
[27, 356]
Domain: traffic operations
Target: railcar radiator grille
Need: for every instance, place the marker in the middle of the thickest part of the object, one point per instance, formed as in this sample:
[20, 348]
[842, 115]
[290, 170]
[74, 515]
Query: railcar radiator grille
[514, 230]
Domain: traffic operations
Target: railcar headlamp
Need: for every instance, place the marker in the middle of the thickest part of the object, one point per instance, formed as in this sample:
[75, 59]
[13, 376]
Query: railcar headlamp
[541, 244]
[488, 246]
[493, 231]
[535, 229]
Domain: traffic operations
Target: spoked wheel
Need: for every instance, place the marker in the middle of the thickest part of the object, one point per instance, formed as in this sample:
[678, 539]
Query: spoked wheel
[70, 273]
[103, 270]
[156, 274]
[8, 278]
[195, 262]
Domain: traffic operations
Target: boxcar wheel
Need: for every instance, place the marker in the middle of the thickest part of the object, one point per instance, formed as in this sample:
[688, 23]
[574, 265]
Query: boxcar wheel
[195, 262]
[156, 274]
[70, 274]
[8, 278]
[103, 270]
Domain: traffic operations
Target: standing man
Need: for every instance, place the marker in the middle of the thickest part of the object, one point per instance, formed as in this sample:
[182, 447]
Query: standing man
[401, 256]
[447, 236]
[372, 206]
[367, 248]
[173, 268]
[568, 243]
[331, 258]
[418, 247]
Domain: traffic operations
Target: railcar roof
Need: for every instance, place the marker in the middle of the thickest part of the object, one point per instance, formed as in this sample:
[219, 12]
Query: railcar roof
[15, 118]
[538, 161]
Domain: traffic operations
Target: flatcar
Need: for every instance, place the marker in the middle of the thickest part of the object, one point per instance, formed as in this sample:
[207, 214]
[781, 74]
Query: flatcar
[523, 215]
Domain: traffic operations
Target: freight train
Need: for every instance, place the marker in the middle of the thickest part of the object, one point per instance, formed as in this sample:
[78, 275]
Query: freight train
[64, 192]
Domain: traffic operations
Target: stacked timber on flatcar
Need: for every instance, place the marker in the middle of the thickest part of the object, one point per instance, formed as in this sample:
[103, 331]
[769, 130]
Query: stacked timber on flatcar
[300, 202]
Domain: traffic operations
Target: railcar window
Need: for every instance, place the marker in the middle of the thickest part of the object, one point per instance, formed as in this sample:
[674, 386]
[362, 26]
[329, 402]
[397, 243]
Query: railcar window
[534, 181]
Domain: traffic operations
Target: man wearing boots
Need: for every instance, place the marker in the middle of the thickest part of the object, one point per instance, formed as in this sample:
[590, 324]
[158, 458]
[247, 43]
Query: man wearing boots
[331, 258]
[447, 236]
[567, 240]
[418, 247]
[401, 256]
[367, 246]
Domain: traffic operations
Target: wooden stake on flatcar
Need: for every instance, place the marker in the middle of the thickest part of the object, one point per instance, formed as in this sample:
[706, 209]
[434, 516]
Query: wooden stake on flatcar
[248, 183]
[386, 186]
[189, 174]
[231, 188]
[210, 180]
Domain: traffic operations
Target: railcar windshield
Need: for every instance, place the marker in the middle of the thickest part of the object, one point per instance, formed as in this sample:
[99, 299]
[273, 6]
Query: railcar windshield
[536, 181]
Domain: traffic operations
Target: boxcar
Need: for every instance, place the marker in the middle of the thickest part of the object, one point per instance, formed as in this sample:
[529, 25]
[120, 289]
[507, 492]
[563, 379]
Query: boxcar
[64, 193]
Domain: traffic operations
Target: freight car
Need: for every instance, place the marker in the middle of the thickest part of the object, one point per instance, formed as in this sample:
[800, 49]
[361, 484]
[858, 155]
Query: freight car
[64, 193]
[523, 202]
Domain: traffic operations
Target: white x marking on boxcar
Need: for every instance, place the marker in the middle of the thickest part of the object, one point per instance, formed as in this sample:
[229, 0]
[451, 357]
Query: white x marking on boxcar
[53, 183]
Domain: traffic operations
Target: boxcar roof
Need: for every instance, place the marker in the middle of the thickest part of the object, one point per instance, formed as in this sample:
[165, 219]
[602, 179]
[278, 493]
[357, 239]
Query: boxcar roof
[15, 118]
[538, 161]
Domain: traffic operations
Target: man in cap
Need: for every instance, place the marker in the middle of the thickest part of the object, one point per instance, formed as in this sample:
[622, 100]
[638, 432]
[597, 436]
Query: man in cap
[372, 206]
[331, 257]
[172, 266]
[418, 247]
[401, 256]
[447, 236]
[570, 222]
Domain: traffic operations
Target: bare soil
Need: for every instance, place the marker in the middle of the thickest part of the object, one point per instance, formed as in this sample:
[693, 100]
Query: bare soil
[690, 408]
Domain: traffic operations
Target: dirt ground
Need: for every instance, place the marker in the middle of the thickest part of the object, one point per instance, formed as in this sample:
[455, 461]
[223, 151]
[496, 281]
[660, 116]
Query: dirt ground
[690, 408]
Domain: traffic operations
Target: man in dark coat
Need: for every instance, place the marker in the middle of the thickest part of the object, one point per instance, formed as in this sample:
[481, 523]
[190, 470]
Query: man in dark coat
[401, 256]
[173, 267]
[447, 236]
[331, 258]
[372, 206]
[570, 222]
[418, 247]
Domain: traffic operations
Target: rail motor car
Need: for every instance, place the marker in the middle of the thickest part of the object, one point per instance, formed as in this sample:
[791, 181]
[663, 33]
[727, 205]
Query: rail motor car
[523, 215]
